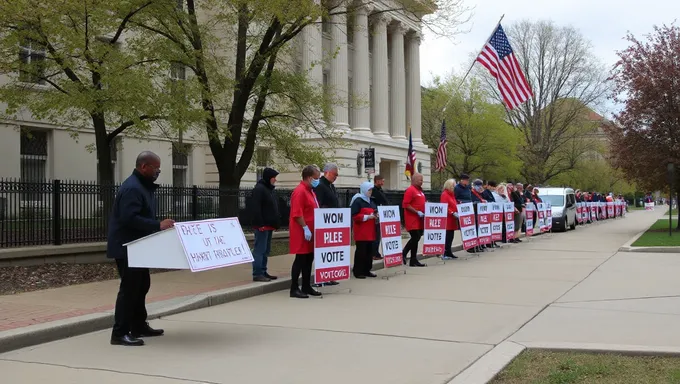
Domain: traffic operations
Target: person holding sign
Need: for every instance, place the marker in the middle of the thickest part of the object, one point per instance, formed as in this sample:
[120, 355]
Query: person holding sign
[133, 216]
[301, 229]
[449, 198]
[414, 214]
[364, 218]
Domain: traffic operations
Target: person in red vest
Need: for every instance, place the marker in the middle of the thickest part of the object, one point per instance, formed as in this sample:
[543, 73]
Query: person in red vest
[364, 217]
[414, 213]
[452, 220]
[301, 230]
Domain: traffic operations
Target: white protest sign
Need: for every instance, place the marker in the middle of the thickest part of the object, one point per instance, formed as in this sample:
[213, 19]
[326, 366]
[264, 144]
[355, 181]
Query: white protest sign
[548, 215]
[496, 222]
[468, 226]
[509, 216]
[390, 235]
[435, 228]
[214, 243]
[332, 244]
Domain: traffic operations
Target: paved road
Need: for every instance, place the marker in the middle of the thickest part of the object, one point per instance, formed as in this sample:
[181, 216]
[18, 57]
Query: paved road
[423, 327]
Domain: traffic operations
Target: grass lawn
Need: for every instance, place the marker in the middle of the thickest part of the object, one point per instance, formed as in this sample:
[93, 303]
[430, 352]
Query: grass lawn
[543, 367]
[657, 235]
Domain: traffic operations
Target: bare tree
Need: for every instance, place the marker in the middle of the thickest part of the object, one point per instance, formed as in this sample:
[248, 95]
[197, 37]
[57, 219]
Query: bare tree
[568, 83]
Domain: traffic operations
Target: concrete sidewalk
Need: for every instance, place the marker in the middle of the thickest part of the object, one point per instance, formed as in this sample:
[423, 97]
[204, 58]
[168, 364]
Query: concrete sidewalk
[426, 326]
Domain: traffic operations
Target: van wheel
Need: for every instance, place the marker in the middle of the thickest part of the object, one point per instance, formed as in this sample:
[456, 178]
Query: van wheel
[573, 225]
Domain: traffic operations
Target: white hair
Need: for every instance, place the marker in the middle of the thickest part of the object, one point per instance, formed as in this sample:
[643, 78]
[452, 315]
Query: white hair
[330, 167]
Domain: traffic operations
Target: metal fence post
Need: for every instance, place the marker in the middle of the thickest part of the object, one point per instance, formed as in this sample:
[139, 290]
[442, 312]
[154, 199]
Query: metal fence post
[56, 212]
[194, 202]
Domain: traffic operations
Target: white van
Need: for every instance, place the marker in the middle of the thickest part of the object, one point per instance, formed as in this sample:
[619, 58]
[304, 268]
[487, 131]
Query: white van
[563, 202]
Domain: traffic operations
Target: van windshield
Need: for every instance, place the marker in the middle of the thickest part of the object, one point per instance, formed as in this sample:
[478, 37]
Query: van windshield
[554, 200]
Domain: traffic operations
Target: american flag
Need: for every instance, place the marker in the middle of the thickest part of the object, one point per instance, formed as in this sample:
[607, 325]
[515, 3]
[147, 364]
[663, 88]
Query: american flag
[498, 58]
[441, 150]
[410, 158]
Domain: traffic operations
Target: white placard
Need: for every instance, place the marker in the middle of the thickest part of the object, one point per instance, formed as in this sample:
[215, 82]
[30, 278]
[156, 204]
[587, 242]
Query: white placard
[213, 243]
[435, 228]
[509, 217]
[468, 225]
[390, 235]
[332, 244]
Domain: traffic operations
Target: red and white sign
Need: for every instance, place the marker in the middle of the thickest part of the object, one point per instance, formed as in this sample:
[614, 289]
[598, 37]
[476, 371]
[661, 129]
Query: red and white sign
[390, 235]
[548, 215]
[435, 228]
[496, 222]
[529, 219]
[484, 223]
[213, 243]
[541, 217]
[509, 216]
[610, 209]
[603, 210]
[579, 213]
[468, 226]
[593, 211]
[332, 241]
[649, 206]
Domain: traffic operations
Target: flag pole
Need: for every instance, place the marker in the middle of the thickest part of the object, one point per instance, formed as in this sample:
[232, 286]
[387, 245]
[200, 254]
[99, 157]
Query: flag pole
[473, 62]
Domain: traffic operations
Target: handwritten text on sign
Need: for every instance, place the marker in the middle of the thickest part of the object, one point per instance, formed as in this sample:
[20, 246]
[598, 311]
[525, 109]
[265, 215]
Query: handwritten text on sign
[484, 220]
[331, 244]
[435, 228]
[509, 216]
[210, 244]
[468, 226]
[390, 235]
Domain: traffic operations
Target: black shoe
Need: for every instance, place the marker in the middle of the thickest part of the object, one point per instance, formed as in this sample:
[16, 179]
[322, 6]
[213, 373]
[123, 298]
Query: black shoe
[261, 279]
[359, 277]
[147, 332]
[331, 283]
[453, 256]
[127, 341]
[403, 259]
[270, 277]
[311, 292]
[317, 285]
[371, 274]
[376, 258]
[417, 264]
[298, 294]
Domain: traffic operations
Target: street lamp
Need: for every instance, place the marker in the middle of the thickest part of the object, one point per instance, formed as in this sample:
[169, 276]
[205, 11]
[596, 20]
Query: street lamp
[671, 170]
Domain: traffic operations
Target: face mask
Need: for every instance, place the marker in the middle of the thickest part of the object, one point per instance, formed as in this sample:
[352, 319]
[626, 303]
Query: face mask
[479, 188]
[315, 183]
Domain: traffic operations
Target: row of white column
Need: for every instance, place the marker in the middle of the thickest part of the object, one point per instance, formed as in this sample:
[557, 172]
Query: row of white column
[396, 87]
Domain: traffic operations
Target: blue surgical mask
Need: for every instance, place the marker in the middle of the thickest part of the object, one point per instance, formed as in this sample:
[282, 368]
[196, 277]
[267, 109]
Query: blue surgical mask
[315, 183]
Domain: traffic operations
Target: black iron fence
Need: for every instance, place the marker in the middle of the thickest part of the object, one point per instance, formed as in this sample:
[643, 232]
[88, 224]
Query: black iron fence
[59, 212]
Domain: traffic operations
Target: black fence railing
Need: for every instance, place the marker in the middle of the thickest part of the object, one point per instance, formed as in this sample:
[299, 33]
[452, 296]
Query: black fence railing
[59, 212]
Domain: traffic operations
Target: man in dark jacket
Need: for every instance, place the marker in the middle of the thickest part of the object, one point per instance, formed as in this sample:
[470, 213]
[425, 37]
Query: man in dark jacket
[327, 195]
[264, 211]
[134, 216]
[462, 190]
[379, 198]
[487, 194]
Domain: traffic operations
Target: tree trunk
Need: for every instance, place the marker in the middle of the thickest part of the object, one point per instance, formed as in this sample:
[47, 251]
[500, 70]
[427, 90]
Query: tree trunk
[104, 166]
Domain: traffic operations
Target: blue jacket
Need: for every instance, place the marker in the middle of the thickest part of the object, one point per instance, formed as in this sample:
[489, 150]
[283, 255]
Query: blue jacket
[488, 196]
[133, 215]
[462, 193]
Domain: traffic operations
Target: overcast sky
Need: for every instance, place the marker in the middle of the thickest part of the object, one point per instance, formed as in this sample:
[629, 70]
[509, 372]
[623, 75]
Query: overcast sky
[603, 22]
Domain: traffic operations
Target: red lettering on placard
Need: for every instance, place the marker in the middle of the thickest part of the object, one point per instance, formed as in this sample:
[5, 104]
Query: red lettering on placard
[433, 249]
[390, 230]
[434, 223]
[331, 237]
[325, 275]
[393, 260]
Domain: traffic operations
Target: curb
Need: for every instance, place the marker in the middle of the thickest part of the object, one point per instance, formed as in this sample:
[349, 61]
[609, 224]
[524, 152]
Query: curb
[490, 364]
[620, 349]
[61, 329]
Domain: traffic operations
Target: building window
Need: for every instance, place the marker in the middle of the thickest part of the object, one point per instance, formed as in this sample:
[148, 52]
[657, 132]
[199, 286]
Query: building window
[262, 161]
[180, 164]
[32, 63]
[33, 162]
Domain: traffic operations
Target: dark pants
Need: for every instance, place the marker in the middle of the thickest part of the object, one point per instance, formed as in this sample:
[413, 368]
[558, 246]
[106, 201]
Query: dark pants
[376, 243]
[262, 248]
[363, 258]
[130, 315]
[412, 246]
[448, 243]
[302, 265]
